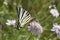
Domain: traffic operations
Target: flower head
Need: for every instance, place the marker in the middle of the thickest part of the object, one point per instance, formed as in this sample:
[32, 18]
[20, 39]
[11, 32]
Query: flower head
[35, 28]
[54, 11]
[10, 22]
[56, 28]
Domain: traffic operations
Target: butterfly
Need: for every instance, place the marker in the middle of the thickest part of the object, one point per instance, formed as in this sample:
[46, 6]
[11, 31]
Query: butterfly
[23, 17]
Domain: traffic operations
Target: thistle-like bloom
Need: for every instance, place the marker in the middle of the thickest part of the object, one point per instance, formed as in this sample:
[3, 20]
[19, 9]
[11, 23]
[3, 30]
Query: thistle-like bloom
[11, 22]
[54, 11]
[56, 28]
[35, 28]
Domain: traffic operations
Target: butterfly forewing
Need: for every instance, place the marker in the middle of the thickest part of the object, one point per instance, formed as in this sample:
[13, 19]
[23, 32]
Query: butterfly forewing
[24, 16]
[26, 20]
[21, 13]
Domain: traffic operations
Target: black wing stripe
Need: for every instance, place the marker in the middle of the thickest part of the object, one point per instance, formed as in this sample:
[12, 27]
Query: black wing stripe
[18, 11]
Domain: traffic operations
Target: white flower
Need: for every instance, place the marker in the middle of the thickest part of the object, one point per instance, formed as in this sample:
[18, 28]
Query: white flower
[35, 28]
[10, 22]
[56, 28]
[54, 11]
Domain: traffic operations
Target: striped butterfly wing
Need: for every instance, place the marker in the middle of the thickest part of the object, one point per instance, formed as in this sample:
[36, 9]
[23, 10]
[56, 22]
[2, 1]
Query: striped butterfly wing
[27, 19]
[24, 16]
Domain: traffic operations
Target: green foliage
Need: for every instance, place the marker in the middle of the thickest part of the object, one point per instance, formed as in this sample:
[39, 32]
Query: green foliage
[38, 9]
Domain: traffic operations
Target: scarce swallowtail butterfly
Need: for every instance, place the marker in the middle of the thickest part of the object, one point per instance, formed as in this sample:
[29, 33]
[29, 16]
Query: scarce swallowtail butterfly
[23, 17]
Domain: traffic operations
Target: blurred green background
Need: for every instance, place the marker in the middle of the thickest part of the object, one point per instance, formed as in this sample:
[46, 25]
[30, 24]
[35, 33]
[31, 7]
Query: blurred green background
[38, 9]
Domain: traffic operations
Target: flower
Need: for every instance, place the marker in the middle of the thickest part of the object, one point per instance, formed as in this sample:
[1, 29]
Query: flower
[56, 28]
[54, 11]
[10, 22]
[35, 28]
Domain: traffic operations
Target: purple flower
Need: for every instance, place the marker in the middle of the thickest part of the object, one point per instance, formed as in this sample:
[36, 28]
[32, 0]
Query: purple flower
[56, 28]
[35, 28]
